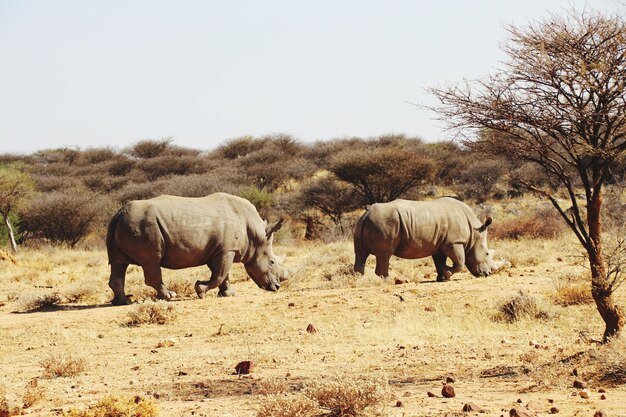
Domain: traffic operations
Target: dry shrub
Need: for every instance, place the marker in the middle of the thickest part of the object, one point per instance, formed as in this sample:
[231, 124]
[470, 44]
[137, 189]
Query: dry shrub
[112, 406]
[611, 362]
[182, 286]
[541, 224]
[33, 393]
[65, 365]
[273, 386]
[521, 306]
[348, 396]
[150, 312]
[575, 294]
[292, 405]
[84, 292]
[5, 409]
[34, 301]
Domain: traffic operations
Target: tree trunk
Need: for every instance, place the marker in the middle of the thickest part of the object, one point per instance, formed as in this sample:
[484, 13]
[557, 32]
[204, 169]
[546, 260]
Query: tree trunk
[7, 223]
[309, 233]
[601, 288]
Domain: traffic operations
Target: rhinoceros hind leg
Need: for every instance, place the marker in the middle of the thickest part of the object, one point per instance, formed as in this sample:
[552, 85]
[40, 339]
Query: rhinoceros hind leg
[116, 283]
[382, 265]
[153, 277]
[226, 290]
[359, 262]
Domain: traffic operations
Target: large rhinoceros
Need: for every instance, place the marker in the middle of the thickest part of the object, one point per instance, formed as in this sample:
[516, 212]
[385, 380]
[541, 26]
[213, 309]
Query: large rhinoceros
[178, 232]
[443, 228]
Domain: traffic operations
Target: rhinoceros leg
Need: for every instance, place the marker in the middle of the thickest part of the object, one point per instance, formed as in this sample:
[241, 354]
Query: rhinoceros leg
[116, 283]
[440, 264]
[382, 265]
[220, 267]
[359, 262]
[226, 290]
[152, 277]
[456, 253]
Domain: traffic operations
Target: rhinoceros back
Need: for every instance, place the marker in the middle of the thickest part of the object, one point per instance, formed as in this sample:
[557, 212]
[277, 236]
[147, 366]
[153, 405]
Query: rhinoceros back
[181, 232]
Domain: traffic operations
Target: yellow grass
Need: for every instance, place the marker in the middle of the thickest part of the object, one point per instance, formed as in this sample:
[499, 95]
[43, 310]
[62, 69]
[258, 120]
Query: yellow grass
[415, 334]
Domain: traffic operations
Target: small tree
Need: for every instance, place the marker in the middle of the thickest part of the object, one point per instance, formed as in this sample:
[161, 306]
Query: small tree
[16, 187]
[560, 104]
[382, 173]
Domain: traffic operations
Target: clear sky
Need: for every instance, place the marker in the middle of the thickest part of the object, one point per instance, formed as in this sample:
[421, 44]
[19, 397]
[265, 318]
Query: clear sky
[109, 73]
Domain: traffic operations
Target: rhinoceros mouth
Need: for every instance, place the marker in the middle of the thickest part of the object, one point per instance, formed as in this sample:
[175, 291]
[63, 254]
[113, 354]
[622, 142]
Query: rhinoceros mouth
[273, 287]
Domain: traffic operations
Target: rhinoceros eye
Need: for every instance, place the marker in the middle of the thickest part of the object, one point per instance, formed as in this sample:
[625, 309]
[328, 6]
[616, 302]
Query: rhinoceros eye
[272, 261]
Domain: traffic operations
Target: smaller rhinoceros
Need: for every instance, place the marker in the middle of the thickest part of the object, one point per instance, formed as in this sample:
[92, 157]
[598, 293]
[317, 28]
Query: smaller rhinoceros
[178, 232]
[443, 228]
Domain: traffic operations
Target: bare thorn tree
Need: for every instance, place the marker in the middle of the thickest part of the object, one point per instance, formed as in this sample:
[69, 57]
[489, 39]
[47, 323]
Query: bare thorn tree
[558, 102]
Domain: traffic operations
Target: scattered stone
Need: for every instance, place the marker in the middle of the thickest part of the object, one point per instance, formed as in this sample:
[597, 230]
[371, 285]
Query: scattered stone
[401, 281]
[600, 413]
[554, 410]
[584, 394]
[601, 390]
[311, 329]
[603, 397]
[399, 404]
[430, 394]
[472, 407]
[244, 368]
[450, 380]
[166, 343]
[519, 401]
[550, 400]
[448, 391]
[575, 372]
[291, 305]
[182, 373]
[518, 411]
[579, 384]
[430, 309]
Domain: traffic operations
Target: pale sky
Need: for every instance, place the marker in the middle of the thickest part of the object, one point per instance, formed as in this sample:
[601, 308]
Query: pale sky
[110, 73]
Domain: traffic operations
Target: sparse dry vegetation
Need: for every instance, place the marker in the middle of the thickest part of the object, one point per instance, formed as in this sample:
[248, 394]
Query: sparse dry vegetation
[521, 306]
[116, 406]
[35, 300]
[151, 312]
[289, 405]
[33, 393]
[63, 365]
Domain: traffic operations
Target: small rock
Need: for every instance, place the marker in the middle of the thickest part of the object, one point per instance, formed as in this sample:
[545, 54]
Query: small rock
[600, 413]
[401, 281]
[450, 380]
[448, 391]
[244, 368]
[291, 305]
[472, 407]
[554, 410]
[584, 394]
[430, 309]
[519, 401]
[601, 390]
[579, 384]
[603, 397]
[518, 411]
[430, 394]
[575, 372]
[399, 404]
[311, 329]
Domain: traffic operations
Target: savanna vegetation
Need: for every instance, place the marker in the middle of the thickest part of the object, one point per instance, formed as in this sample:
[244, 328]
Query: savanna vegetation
[545, 153]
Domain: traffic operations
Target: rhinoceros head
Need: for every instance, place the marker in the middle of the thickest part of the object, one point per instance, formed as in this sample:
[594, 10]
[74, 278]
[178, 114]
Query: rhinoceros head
[264, 268]
[479, 259]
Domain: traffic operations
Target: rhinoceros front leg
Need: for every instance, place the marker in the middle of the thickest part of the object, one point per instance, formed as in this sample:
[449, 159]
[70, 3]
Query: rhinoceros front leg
[152, 276]
[226, 290]
[456, 253]
[116, 283]
[440, 265]
[220, 267]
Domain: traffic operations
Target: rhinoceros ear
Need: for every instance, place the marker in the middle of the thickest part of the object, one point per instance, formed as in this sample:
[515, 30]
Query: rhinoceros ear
[486, 225]
[269, 230]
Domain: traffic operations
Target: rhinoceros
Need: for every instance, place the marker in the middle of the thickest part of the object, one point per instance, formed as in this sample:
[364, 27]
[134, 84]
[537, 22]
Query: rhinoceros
[442, 228]
[178, 232]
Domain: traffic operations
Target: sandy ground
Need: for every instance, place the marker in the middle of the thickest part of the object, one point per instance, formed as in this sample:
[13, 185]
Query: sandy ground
[414, 335]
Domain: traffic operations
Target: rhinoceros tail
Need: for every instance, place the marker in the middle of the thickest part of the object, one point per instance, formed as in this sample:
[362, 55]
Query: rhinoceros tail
[360, 250]
[113, 252]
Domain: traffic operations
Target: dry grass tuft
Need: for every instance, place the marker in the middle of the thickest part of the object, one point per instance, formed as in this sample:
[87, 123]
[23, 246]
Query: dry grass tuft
[34, 301]
[112, 406]
[348, 396]
[541, 224]
[81, 293]
[521, 306]
[183, 287]
[273, 386]
[62, 366]
[610, 362]
[33, 393]
[5, 409]
[291, 405]
[575, 294]
[150, 312]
